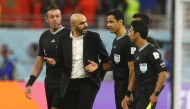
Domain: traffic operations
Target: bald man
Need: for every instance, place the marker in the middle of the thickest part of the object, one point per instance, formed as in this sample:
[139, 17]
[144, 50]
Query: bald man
[81, 77]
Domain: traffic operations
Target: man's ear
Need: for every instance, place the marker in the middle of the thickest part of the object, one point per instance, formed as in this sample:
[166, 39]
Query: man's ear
[120, 21]
[46, 18]
[138, 34]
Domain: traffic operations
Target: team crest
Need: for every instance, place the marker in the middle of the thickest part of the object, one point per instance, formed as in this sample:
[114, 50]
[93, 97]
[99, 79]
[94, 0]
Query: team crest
[116, 58]
[143, 67]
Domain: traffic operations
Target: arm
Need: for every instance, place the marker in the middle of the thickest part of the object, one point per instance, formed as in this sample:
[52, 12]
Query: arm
[131, 69]
[35, 73]
[128, 98]
[161, 80]
[158, 89]
[159, 65]
[38, 65]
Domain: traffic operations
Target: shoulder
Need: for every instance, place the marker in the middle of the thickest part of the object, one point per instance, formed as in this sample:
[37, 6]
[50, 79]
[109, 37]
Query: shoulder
[92, 33]
[151, 48]
[66, 30]
[44, 34]
[153, 51]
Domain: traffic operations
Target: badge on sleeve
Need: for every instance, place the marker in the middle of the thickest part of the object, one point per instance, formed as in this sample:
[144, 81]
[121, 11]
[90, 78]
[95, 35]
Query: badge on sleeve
[45, 52]
[133, 49]
[116, 58]
[143, 67]
[156, 55]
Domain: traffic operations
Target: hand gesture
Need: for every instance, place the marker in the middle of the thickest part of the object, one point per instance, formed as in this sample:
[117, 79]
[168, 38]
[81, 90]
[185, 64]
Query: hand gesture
[92, 66]
[50, 61]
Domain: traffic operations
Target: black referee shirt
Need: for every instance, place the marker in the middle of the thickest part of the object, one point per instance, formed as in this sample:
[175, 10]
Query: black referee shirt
[148, 64]
[49, 46]
[121, 53]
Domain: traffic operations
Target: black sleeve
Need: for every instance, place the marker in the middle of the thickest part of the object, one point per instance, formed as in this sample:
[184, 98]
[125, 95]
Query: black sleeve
[40, 52]
[103, 55]
[156, 61]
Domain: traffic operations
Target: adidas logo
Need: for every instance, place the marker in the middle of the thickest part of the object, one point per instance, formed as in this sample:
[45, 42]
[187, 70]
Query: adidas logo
[52, 40]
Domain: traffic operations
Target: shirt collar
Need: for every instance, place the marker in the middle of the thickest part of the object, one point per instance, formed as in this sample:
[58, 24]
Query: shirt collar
[59, 29]
[120, 37]
[71, 35]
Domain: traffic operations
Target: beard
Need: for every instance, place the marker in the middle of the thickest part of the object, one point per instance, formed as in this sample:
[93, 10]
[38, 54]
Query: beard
[82, 31]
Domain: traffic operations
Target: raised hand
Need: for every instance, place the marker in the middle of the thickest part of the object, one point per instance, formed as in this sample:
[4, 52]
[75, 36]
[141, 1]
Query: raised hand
[50, 61]
[92, 66]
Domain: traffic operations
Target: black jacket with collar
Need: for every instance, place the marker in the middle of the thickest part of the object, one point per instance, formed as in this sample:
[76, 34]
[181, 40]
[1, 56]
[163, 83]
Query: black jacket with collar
[93, 49]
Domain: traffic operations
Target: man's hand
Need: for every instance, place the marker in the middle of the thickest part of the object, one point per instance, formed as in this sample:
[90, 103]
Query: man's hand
[28, 92]
[153, 98]
[92, 66]
[107, 66]
[126, 101]
[50, 61]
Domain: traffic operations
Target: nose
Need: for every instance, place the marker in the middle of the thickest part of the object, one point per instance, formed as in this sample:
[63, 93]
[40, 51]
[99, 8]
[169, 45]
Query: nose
[86, 24]
[107, 24]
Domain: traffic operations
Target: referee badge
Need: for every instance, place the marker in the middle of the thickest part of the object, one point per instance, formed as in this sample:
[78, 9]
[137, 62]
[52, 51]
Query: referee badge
[143, 67]
[116, 58]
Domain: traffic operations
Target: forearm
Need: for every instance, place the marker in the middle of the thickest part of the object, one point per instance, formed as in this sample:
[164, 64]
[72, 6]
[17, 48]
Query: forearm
[107, 66]
[38, 65]
[161, 80]
[131, 83]
[131, 70]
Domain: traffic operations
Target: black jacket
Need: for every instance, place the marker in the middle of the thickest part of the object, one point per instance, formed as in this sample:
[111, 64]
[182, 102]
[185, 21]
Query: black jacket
[93, 49]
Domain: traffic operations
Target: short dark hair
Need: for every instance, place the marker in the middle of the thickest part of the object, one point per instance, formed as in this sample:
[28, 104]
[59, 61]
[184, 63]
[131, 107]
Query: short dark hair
[143, 17]
[117, 14]
[141, 27]
[52, 7]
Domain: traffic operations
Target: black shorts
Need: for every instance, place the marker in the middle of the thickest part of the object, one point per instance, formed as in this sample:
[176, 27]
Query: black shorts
[52, 93]
[53, 97]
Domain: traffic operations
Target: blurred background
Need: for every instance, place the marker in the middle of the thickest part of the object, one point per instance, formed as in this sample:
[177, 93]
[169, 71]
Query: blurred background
[22, 22]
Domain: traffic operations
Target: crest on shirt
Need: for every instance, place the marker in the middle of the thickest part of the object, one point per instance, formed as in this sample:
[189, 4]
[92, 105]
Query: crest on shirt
[133, 49]
[45, 52]
[163, 65]
[116, 58]
[156, 55]
[143, 67]
[53, 40]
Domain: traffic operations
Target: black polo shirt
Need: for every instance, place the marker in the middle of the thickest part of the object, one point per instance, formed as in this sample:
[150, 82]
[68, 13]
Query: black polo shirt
[148, 64]
[121, 53]
[49, 46]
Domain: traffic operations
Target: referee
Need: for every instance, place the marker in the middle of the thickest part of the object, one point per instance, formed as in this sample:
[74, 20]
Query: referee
[49, 52]
[150, 70]
[145, 18]
[121, 55]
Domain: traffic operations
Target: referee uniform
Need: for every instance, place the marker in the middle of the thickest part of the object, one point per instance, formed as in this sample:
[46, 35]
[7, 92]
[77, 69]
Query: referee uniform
[49, 46]
[148, 64]
[121, 53]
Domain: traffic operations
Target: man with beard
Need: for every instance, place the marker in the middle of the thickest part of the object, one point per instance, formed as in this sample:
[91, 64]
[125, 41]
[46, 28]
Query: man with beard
[121, 55]
[81, 77]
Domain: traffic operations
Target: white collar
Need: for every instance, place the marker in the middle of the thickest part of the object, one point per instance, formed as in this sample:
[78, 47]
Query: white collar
[71, 35]
[59, 29]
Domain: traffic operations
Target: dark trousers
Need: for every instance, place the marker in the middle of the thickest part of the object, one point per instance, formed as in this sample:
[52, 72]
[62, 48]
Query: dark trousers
[141, 97]
[120, 87]
[81, 94]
